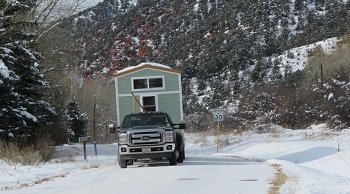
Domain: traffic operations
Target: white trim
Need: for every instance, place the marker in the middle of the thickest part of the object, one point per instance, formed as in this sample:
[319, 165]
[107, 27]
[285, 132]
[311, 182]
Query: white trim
[180, 95]
[149, 93]
[147, 78]
[132, 72]
[143, 64]
[117, 101]
[155, 100]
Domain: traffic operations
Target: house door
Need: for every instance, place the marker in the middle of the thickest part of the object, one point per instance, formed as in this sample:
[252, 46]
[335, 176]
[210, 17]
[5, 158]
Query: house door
[149, 103]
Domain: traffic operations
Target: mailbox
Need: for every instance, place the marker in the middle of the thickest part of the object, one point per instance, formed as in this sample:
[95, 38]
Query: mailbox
[84, 139]
[111, 128]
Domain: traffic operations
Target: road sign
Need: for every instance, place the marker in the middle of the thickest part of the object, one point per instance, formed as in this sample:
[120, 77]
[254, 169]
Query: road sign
[218, 114]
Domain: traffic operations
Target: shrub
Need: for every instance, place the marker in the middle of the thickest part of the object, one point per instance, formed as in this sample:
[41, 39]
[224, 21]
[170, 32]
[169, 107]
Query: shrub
[46, 151]
[30, 155]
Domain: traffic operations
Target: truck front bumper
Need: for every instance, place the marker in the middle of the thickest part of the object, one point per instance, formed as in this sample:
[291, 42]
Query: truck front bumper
[140, 152]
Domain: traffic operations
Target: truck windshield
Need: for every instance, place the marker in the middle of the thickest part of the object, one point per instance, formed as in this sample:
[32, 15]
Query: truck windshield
[147, 119]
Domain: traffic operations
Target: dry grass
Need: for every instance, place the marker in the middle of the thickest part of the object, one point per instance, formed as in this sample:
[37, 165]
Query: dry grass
[14, 155]
[274, 133]
[45, 149]
[69, 158]
[91, 166]
[224, 141]
[202, 138]
[38, 181]
[322, 135]
[333, 63]
[278, 181]
[34, 155]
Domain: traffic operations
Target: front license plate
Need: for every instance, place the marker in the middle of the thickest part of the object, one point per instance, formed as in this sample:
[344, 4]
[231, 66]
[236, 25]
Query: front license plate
[146, 149]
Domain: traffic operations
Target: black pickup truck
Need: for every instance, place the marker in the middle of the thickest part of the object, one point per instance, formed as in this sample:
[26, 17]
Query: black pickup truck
[150, 135]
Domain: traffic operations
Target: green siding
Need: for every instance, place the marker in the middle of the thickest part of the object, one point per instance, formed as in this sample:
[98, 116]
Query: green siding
[167, 102]
[170, 103]
[126, 106]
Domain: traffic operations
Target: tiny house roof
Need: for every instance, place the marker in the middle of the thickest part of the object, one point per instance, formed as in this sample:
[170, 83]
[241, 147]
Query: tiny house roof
[155, 66]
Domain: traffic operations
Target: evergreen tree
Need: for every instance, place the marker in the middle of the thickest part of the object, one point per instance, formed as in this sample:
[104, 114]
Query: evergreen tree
[76, 121]
[23, 110]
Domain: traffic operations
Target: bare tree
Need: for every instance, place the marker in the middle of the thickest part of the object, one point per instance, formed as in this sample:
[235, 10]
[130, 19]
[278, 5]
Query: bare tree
[102, 90]
[57, 47]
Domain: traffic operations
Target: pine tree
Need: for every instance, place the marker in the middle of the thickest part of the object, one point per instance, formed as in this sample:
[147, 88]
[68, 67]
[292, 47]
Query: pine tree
[23, 110]
[76, 121]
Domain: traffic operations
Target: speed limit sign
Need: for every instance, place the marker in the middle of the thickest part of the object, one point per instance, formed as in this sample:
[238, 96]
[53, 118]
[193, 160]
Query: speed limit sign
[218, 114]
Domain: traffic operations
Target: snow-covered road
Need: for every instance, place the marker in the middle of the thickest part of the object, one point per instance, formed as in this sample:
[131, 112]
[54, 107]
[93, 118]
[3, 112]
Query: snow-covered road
[198, 174]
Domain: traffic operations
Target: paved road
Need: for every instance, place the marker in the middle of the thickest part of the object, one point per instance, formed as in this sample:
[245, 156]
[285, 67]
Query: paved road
[202, 174]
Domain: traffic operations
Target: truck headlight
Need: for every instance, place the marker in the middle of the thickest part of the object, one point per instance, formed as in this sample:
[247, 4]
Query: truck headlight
[169, 136]
[123, 138]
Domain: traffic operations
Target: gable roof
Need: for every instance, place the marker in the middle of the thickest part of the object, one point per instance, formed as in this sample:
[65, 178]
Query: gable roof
[155, 66]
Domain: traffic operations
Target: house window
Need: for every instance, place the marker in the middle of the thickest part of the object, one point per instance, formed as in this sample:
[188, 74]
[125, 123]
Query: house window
[140, 83]
[148, 83]
[149, 103]
[155, 82]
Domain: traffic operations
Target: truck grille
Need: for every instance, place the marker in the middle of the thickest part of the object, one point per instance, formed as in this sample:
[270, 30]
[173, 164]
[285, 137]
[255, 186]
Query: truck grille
[146, 138]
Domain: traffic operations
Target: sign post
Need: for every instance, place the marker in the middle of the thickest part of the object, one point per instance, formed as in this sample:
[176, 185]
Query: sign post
[84, 140]
[218, 117]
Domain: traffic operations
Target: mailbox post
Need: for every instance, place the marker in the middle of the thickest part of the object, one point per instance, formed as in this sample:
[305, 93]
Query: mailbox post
[84, 140]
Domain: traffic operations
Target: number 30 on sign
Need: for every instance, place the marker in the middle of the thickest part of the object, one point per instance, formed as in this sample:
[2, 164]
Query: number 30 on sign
[218, 115]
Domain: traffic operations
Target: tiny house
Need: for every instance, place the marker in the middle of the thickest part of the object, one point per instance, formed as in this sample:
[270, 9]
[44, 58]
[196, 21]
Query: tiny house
[154, 86]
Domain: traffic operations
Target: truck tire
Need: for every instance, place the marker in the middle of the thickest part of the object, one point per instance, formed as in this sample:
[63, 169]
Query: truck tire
[172, 159]
[181, 156]
[123, 164]
[180, 147]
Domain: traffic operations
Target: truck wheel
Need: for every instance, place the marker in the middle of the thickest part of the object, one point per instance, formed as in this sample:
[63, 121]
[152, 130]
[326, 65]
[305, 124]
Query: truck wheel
[172, 159]
[181, 156]
[123, 163]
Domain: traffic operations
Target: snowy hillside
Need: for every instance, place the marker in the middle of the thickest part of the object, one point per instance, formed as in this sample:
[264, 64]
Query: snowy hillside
[295, 59]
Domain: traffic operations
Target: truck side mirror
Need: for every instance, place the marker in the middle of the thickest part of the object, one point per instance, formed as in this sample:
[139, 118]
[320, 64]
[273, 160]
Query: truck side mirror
[182, 125]
[179, 126]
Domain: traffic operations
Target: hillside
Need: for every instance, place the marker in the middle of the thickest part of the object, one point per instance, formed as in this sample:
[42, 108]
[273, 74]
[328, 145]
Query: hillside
[198, 36]
[228, 50]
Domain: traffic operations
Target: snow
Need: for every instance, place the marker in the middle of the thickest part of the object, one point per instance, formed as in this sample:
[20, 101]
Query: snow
[26, 114]
[82, 4]
[4, 69]
[90, 3]
[316, 160]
